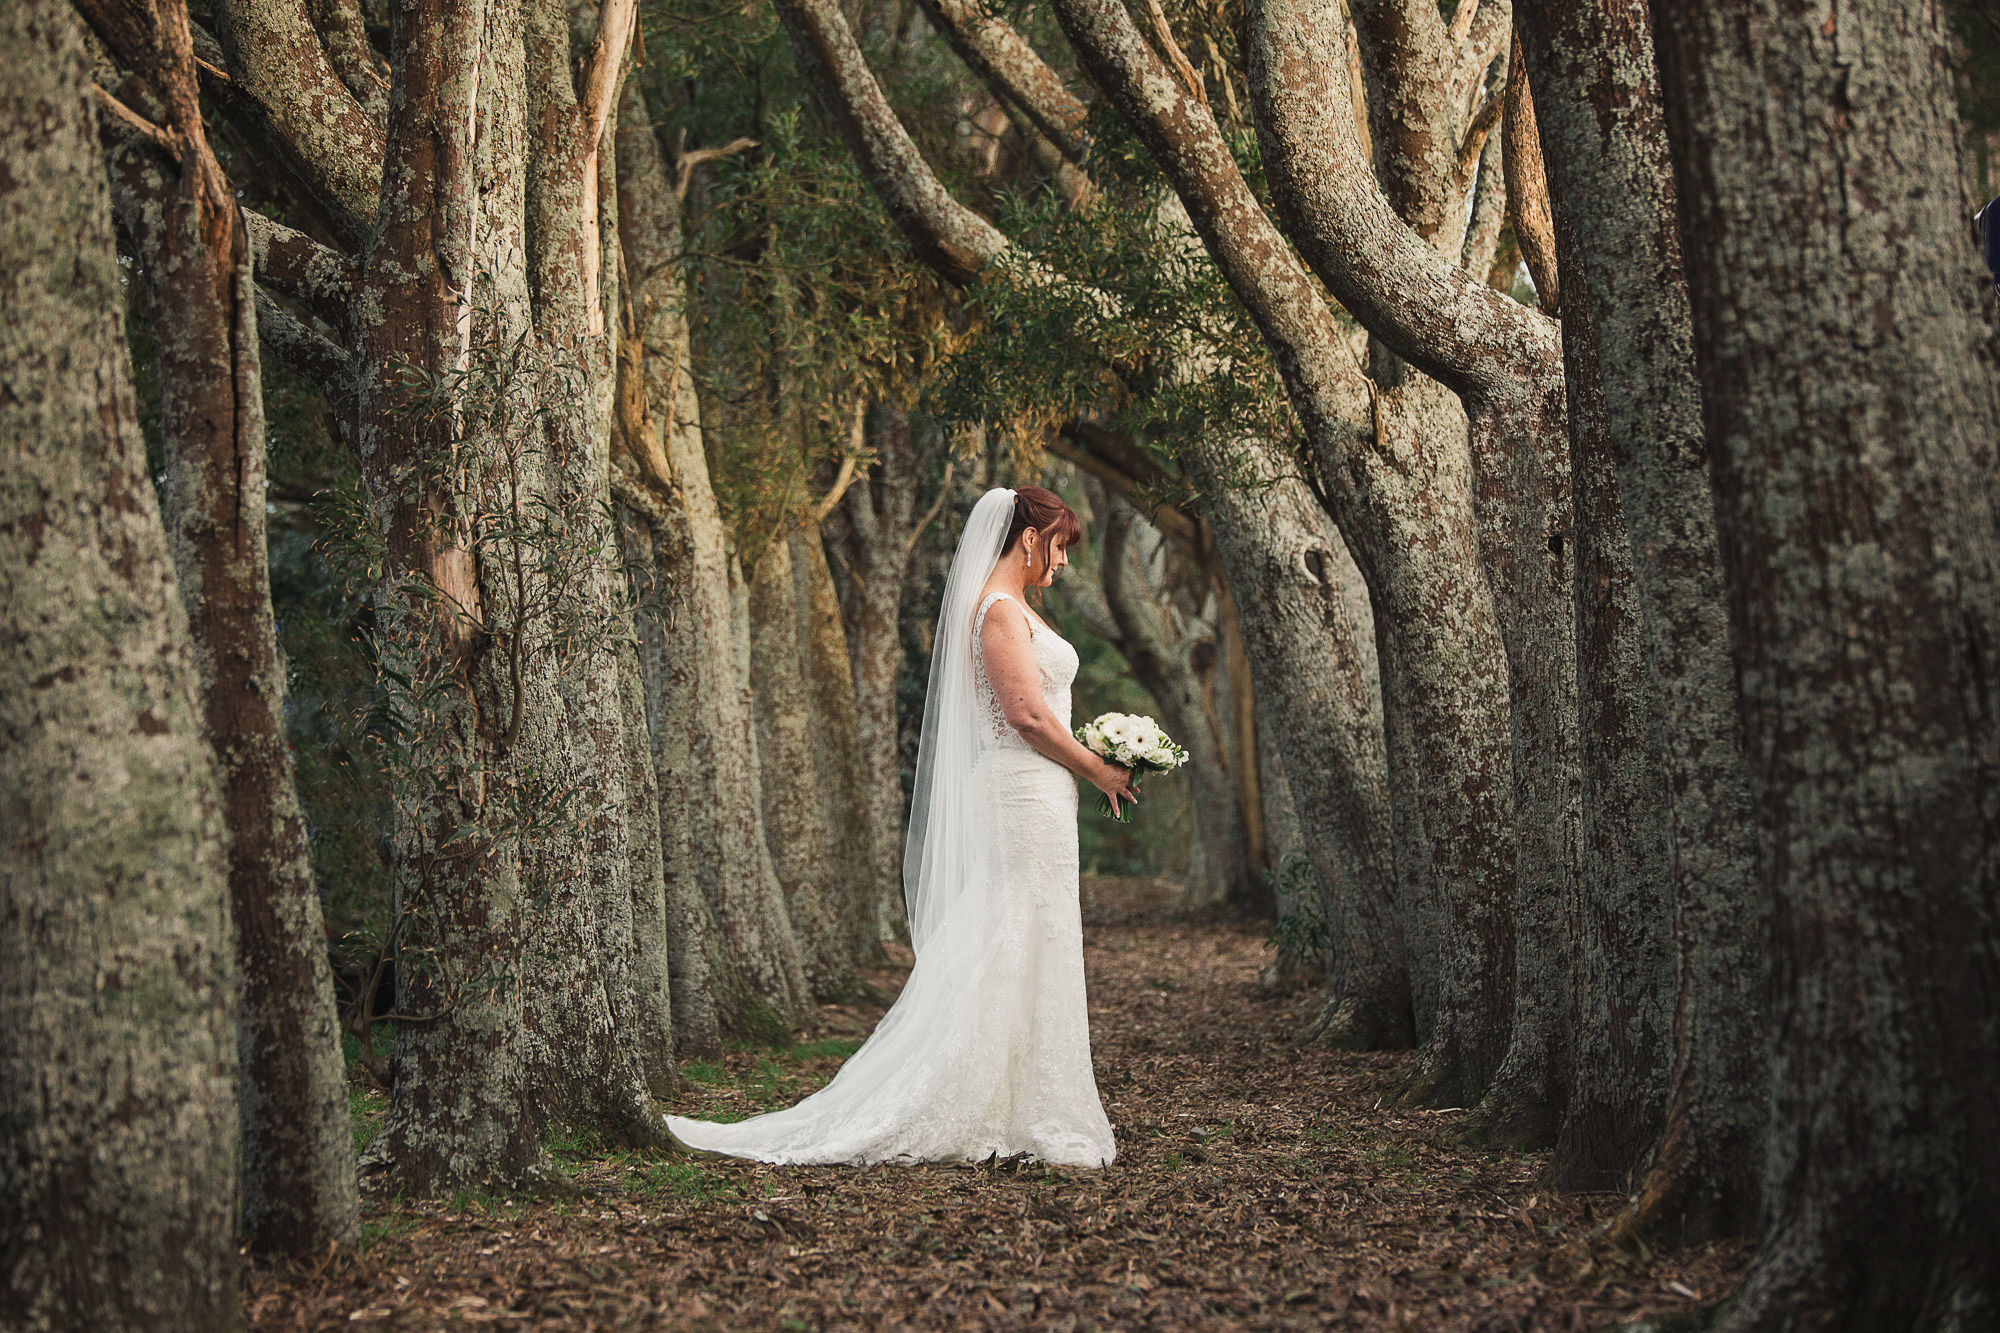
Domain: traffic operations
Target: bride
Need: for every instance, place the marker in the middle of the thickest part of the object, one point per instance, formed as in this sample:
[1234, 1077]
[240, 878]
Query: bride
[987, 1050]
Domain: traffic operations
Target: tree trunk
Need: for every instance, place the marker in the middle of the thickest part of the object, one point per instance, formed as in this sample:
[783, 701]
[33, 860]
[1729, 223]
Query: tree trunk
[499, 623]
[836, 739]
[1853, 447]
[877, 526]
[1311, 650]
[1621, 967]
[118, 1025]
[703, 982]
[1620, 253]
[753, 939]
[1167, 660]
[193, 257]
[789, 777]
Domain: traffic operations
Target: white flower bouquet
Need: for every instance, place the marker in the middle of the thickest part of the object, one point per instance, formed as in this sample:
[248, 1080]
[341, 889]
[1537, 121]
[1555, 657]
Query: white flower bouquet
[1130, 742]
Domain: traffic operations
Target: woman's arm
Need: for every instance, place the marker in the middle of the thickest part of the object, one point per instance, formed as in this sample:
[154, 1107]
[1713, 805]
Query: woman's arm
[1007, 647]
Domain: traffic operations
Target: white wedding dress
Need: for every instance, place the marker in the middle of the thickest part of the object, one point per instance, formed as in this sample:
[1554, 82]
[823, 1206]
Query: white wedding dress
[987, 1050]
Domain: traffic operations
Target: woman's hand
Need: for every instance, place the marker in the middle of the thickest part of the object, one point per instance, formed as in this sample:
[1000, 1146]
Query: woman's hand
[1115, 783]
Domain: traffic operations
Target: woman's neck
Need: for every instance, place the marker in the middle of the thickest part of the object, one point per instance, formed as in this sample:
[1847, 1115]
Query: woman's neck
[1010, 578]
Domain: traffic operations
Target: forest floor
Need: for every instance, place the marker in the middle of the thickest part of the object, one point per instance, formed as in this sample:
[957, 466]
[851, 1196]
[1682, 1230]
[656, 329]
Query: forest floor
[1258, 1185]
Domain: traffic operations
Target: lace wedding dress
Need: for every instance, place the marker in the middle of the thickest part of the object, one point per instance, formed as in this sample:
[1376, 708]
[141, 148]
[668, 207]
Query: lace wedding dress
[987, 1050]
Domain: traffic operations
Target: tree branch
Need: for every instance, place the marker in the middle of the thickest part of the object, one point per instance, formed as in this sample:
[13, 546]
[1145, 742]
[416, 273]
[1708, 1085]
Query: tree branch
[1417, 301]
[686, 160]
[1013, 70]
[1528, 186]
[947, 235]
[303, 113]
[301, 350]
[295, 265]
[125, 123]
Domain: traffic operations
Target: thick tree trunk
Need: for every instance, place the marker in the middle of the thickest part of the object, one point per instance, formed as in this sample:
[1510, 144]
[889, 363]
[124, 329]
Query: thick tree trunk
[1598, 106]
[796, 827]
[836, 739]
[702, 979]
[1312, 650]
[752, 944]
[1621, 969]
[187, 236]
[118, 1027]
[499, 621]
[1854, 465]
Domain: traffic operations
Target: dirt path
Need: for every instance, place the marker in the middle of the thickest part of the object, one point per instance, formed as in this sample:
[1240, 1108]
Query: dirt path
[1257, 1186]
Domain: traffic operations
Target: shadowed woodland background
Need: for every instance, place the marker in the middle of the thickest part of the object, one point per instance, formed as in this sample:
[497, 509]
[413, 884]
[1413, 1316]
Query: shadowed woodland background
[480, 479]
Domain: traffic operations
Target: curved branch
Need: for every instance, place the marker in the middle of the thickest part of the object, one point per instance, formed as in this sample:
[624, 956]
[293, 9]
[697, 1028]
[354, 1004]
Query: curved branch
[1327, 390]
[303, 113]
[1422, 305]
[1014, 70]
[945, 233]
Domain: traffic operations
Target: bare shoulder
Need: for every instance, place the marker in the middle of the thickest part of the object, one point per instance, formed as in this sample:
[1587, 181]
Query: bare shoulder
[1004, 618]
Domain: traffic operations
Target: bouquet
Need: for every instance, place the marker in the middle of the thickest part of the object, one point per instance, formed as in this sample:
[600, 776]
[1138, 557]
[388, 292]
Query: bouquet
[1130, 742]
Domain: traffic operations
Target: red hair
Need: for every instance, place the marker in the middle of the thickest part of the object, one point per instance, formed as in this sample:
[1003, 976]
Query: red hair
[1043, 510]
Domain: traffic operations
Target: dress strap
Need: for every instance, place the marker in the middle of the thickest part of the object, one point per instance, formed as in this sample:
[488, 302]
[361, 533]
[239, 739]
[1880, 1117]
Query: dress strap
[979, 621]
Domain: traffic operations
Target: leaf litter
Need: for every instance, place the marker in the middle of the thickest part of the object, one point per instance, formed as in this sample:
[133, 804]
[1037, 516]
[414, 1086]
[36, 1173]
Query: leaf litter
[1258, 1185]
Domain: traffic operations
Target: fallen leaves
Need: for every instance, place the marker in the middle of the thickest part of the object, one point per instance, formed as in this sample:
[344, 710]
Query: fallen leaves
[1258, 1186]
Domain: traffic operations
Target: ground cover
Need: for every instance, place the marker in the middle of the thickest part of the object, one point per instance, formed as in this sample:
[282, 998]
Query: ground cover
[1258, 1185]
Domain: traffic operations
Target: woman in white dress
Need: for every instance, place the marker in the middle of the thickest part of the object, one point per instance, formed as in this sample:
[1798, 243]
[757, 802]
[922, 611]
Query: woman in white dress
[987, 1050]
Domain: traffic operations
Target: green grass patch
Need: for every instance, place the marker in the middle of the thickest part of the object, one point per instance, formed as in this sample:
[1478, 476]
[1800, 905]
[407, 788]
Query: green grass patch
[365, 1109]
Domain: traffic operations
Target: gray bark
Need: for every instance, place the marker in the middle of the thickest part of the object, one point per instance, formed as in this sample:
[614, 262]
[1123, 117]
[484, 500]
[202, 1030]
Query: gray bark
[1312, 650]
[793, 787]
[185, 233]
[736, 935]
[1853, 456]
[835, 734]
[1177, 660]
[118, 1029]
[499, 615]
[875, 530]
[1598, 103]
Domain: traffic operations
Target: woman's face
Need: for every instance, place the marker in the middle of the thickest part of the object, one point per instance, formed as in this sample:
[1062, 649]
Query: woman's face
[1051, 558]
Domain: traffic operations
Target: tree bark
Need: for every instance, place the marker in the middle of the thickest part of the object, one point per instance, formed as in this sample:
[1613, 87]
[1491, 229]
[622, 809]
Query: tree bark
[1311, 648]
[187, 236]
[1600, 114]
[880, 520]
[753, 960]
[118, 978]
[796, 827]
[498, 618]
[836, 737]
[1165, 659]
[1853, 462]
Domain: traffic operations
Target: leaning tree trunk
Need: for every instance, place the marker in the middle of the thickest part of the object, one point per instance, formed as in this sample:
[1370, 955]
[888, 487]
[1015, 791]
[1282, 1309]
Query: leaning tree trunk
[1311, 651]
[118, 1033]
[187, 235]
[1853, 453]
[1619, 250]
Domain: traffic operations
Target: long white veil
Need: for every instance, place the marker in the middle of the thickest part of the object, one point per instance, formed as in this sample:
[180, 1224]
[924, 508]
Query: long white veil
[945, 856]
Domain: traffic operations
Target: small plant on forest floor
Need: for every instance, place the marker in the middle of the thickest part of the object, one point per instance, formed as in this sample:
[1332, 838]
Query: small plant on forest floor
[365, 1110]
[689, 1181]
